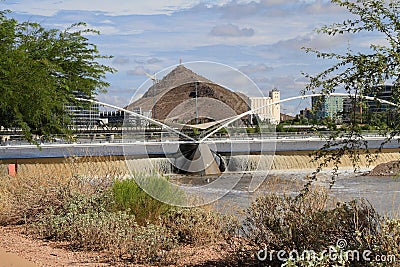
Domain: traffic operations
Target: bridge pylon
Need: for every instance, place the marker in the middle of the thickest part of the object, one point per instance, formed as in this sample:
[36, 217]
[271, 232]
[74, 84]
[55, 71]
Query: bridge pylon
[198, 158]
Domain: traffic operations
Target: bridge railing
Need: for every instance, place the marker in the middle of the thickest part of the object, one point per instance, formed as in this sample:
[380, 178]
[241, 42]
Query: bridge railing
[238, 137]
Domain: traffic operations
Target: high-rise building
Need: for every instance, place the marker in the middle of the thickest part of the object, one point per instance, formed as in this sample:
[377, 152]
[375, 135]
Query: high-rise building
[384, 92]
[266, 110]
[306, 113]
[352, 110]
[83, 117]
[328, 107]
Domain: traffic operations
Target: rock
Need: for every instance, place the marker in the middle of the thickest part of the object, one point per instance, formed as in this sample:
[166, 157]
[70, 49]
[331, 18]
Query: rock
[391, 168]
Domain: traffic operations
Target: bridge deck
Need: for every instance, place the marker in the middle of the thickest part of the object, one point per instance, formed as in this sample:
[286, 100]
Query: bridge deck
[161, 149]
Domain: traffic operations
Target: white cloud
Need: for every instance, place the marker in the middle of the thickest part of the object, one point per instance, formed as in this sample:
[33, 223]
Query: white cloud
[153, 60]
[121, 60]
[254, 68]
[264, 36]
[119, 100]
[230, 30]
[111, 7]
[139, 70]
[315, 41]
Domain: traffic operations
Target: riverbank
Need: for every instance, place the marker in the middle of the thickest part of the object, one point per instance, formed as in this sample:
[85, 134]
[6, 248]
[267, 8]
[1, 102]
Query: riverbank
[19, 249]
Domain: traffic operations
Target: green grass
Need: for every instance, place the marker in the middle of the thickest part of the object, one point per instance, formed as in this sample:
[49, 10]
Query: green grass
[130, 197]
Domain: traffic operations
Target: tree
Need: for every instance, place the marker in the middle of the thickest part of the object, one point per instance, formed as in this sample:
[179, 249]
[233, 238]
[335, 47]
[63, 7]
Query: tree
[360, 73]
[41, 70]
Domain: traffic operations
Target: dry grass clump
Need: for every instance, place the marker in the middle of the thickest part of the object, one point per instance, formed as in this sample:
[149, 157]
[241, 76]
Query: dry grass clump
[200, 226]
[87, 224]
[23, 198]
[390, 239]
[285, 223]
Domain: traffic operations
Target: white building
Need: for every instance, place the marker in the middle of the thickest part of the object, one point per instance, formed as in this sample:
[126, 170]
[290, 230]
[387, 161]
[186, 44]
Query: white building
[270, 112]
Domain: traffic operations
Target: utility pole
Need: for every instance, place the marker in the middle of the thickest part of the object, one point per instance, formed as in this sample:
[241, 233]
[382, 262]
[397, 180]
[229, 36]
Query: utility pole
[197, 111]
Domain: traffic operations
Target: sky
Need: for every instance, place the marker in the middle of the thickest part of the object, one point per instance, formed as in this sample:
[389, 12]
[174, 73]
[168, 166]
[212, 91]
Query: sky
[261, 40]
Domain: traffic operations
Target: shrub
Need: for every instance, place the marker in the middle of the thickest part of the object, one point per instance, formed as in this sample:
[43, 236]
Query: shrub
[24, 198]
[280, 222]
[199, 226]
[389, 241]
[129, 197]
[86, 224]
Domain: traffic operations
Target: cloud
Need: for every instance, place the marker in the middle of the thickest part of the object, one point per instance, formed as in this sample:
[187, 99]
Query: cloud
[262, 38]
[117, 100]
[234, 9]
[315, 41]
[138, 61]
[154, 60]
[111, 7]
[137, 71]
[230, 30]
[121, 60]
[250, 69]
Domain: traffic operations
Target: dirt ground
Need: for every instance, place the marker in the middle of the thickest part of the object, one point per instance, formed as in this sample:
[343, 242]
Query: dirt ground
[21, 250]
[18, 249]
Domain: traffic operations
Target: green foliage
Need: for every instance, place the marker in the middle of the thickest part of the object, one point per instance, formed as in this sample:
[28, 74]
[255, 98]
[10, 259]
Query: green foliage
[253, 130]
[131, 198]
[40, 70]
[360, 73]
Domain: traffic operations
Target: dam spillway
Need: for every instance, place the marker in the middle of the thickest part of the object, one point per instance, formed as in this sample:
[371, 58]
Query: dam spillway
[116, 166]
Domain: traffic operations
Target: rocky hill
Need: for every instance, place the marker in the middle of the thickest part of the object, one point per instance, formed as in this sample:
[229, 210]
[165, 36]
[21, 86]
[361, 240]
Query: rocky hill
[174, 98]
[214, 102]
[178, 76]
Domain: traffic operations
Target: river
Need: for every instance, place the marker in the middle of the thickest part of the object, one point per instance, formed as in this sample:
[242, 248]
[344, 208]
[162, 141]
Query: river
[382, 192]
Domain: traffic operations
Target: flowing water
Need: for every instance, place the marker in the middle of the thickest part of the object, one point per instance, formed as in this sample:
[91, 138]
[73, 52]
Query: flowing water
[382, 192]
[103, 165]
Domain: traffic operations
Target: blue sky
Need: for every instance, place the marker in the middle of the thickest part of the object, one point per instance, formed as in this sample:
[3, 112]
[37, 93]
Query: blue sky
[260, 38]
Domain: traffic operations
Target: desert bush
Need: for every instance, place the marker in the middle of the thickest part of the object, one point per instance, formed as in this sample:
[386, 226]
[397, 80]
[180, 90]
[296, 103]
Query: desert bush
[24, 198]
[87, 224]
[388, 242]
[281, 222]
[200, 226]
[128, 196]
